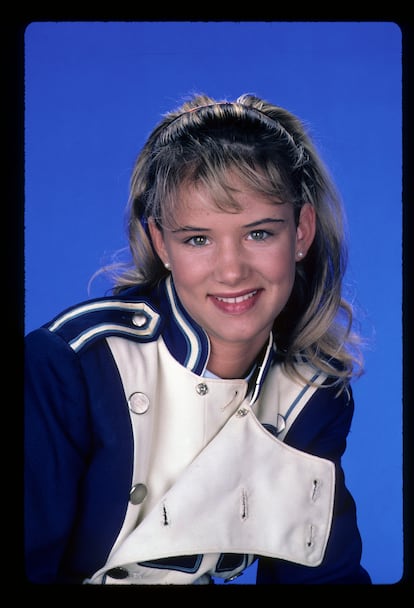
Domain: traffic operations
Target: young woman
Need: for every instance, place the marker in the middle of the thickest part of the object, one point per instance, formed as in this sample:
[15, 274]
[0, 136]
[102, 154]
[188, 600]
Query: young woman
[194, 420]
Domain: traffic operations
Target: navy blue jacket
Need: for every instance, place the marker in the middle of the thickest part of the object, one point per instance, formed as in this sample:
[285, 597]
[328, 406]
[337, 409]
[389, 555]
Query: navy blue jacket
[79, 442]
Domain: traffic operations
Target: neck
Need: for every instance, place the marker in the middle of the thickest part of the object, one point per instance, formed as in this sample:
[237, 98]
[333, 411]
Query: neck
[233, 361]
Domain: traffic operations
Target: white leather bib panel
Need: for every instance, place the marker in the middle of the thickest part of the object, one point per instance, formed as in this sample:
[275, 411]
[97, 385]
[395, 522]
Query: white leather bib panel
[217, 480]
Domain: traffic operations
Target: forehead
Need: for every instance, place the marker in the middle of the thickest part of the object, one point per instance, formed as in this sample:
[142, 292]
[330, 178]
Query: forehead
[199, 200]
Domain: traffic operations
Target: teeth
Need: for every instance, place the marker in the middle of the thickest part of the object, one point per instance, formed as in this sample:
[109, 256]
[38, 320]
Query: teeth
[238, 299]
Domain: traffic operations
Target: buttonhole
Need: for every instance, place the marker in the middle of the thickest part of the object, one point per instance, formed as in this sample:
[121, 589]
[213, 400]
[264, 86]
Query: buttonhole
[309, 542]
[315, 488]
[243, 504]
[165, 519]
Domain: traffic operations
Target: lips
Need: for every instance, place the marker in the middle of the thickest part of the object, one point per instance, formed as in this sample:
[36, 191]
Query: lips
[237, 303]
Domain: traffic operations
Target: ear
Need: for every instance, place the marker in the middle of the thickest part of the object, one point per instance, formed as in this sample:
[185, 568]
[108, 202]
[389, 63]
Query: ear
[305, 231]
[157, 239]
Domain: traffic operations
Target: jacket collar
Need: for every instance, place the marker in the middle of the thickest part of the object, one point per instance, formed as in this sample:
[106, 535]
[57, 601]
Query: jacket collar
[143, 315]
[185, 339]
[189, 344]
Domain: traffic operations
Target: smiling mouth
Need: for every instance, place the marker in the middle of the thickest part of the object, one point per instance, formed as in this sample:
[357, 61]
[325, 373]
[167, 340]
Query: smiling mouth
[238, 299]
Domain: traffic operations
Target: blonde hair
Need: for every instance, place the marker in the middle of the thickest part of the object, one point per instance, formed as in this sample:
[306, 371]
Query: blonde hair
[205, 142]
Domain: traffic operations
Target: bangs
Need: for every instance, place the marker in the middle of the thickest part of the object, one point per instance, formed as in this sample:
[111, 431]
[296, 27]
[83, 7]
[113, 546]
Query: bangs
[223, 153]
[223, 182]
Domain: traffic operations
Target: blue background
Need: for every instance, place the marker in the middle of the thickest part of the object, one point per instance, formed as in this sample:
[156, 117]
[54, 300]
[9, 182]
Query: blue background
[93, 93]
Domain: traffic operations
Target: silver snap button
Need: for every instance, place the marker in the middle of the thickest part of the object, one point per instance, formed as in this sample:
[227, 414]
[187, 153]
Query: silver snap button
[202, 389]
[139, 319]
[242, 412]
[138, 493]
[138, 403]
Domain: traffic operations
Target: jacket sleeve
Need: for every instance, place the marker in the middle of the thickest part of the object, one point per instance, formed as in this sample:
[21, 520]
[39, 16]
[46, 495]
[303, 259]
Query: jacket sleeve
[57, 442]
[321, 429]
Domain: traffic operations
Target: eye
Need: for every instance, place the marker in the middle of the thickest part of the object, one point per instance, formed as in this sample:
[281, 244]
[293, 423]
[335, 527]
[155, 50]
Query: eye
[259, 235]
[197, 241]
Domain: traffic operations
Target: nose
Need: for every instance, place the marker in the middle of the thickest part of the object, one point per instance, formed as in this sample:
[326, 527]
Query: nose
[231, 265]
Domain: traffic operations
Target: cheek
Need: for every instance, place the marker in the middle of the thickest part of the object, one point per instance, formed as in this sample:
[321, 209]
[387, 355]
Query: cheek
[189, 265]
[187, 273]
[280, 267]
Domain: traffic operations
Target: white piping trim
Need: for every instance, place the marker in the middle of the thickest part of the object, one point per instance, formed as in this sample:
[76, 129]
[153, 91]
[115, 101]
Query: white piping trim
[262, 370]
[188, 330]
[92, 307]
[84, 337]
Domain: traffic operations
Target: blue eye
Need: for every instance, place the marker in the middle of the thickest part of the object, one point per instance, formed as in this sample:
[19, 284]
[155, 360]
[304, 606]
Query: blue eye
[259, 235]
[197, 241]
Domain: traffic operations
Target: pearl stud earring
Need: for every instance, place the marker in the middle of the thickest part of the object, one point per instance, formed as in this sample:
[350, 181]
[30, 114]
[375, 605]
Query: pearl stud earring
[300, 254]
[167, 265]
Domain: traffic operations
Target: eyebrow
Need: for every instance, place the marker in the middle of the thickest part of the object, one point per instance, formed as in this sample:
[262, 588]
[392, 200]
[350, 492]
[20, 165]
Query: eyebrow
[266, 220]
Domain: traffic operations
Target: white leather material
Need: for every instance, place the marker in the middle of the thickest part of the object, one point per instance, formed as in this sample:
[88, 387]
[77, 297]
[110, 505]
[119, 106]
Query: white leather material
[216, 480]
[178, 423]
[246, 492]
[282, 397]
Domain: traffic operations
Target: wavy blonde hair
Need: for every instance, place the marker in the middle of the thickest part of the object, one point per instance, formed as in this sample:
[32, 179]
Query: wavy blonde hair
[205, 142]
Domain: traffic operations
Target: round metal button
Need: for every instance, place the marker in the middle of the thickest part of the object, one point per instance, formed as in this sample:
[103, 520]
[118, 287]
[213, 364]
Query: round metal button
[202, 388]
[117, 573]
[138, 493]
[138, 403]
[139, 319]
[242, 412]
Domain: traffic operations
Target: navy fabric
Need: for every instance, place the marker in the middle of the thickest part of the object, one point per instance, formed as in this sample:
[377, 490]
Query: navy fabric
[79, 451]
[78, 458]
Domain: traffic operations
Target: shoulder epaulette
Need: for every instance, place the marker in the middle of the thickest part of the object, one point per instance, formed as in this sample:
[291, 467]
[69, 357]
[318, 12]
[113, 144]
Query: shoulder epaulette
[84, 323]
